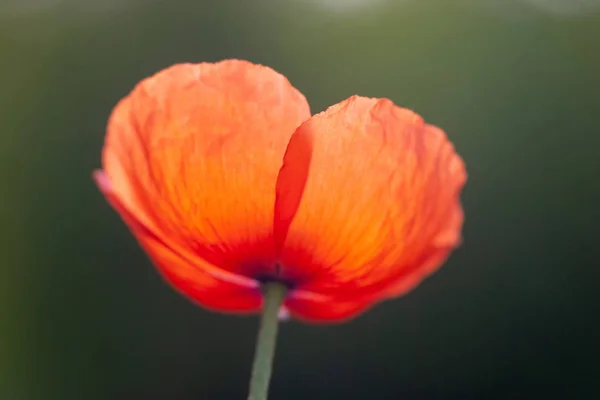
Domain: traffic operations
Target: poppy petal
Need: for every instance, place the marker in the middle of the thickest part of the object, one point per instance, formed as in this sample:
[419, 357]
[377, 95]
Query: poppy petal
[312, 307]
[380, 208]
[290, 184]
[210, 286]
[193, 155]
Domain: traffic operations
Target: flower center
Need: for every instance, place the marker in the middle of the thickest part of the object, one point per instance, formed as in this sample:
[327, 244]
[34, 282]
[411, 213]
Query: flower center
[275, 275]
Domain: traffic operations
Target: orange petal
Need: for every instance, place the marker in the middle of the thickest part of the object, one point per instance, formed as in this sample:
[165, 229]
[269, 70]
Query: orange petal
[312, 307]
[189, 274]
[380, 208]
[290, 185]
[193, 154]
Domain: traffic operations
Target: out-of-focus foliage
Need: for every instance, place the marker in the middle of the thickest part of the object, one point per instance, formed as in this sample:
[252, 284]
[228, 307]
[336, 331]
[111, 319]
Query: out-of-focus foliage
[512, 314]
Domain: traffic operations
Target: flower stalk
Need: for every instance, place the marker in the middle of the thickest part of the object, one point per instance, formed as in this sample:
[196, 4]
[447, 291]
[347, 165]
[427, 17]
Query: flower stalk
[262, 366]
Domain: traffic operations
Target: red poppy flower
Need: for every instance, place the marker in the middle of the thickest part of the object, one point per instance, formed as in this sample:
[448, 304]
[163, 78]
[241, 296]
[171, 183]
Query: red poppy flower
[227, 181]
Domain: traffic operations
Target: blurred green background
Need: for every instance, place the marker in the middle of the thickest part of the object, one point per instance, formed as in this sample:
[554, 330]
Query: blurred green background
[513, 314]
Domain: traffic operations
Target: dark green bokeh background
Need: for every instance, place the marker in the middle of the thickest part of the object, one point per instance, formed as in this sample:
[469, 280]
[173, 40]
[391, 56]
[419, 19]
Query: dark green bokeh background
[513, 314]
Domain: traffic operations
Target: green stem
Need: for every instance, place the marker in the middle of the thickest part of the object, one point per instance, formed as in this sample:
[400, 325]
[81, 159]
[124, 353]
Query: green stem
[262, 366]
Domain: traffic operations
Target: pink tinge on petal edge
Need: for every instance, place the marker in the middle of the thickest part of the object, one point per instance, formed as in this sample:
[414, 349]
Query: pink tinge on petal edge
[284, 313]
[102, 181]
